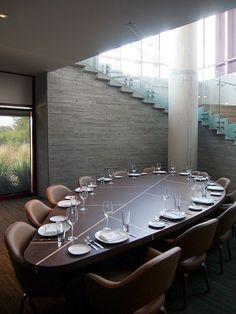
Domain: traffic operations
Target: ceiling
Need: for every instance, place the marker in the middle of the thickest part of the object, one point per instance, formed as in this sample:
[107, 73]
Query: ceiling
[45, 35]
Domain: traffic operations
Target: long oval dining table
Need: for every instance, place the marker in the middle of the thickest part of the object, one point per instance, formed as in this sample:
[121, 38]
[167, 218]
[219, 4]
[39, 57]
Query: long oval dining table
[142, 196]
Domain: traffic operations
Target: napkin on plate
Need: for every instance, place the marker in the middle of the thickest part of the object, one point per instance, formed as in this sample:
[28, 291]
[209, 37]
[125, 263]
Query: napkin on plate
[111, 235]
[49, 229]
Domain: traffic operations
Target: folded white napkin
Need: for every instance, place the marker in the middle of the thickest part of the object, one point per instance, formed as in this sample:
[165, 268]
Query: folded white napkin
[66, 203]
[111, 235]
[50, 228]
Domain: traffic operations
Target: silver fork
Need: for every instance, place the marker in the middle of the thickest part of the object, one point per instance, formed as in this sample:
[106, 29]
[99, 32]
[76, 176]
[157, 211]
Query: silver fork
[86, 241]
[96, 243]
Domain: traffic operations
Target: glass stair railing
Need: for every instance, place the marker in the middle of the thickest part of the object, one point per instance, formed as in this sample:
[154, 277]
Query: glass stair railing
[151, 93]
[219, 109]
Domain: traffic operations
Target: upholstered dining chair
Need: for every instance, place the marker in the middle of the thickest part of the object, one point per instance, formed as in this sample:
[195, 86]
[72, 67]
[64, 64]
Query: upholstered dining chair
[135, 288]
[225, 223]
[149, 169]
[56, 193]
[194, 243]
[200, 173]
[121, 173]
[17, 237]
[84, 180]
[36, 212]
[225, 182]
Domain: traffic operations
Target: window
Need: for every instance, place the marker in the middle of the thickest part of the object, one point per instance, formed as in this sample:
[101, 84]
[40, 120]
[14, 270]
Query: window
[15, 150]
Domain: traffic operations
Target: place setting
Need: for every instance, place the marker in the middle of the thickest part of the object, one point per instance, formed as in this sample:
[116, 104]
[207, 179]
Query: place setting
[109, 235]
[70, 200]
[158, 170]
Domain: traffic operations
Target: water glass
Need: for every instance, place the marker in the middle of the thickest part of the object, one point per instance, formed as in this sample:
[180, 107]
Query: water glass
[125, 219]
[177, 200]
[60, 226]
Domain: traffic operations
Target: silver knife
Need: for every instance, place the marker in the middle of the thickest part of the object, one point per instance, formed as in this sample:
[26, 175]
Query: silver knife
[99, 245]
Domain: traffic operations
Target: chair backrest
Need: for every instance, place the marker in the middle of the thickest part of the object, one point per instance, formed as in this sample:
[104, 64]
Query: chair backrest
[149, 169]
[225, 182]
[200, 173]
[141, 287]
[122, 173]
[85, 180]
[225, 222]
[230, 197]
[36, 212]
[56, 193]
[17, 237]
[196, 240]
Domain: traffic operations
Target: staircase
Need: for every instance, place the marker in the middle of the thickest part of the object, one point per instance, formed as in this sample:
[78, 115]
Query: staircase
[133, 86]
[220, 118]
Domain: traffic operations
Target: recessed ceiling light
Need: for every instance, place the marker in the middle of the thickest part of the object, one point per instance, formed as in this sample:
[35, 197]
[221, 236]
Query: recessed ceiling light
[3, 16]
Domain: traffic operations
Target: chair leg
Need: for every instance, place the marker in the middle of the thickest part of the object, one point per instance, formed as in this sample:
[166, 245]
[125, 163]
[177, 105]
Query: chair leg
[22, 303]
[229, 251]
[204, 268]
[185, 288]
[220, 247]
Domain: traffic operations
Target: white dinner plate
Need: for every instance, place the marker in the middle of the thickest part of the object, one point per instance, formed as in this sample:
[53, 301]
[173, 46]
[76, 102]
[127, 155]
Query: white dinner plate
[183, 173]
[79, 249]
[216, 194]
[134, 174]
[215, 188]
[49, 230]
[203, 200]
[118, 177]
[124, 237]
[157, 224]
[144, 173]
[173, 214]
[66, 203]
[195, 208]
[57, 218]
[80, 189]
[159, 171]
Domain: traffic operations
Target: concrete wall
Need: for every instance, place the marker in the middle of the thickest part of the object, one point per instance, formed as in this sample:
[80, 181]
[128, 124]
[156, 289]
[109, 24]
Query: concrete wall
[216, 155]
[92, 126]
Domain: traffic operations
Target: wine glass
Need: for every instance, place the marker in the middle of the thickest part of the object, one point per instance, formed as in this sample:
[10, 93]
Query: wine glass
[93, 184]
[165, 196]
[72, 218]
[83, 195]
[158, 167]
[134, 169]
[172, 168]
[107, 208]
[110, 175]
